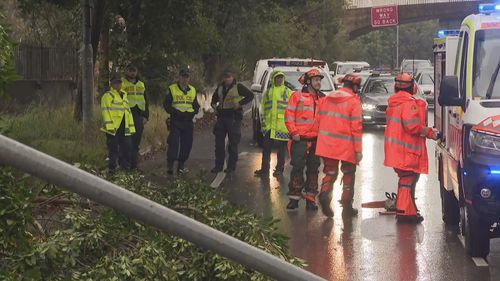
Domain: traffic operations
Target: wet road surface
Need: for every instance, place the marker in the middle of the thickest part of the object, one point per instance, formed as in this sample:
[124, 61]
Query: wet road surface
[368, 247]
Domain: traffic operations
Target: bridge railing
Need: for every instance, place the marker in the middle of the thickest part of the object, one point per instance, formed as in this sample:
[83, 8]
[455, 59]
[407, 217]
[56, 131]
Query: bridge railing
[146, 211]
[356, 4]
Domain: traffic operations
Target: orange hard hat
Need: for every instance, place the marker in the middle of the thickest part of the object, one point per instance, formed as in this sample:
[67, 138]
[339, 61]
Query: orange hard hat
[351, 78]
[403, 81]
[314, 73]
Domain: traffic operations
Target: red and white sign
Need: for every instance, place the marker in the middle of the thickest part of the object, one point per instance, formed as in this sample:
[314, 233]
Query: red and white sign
[385, 16]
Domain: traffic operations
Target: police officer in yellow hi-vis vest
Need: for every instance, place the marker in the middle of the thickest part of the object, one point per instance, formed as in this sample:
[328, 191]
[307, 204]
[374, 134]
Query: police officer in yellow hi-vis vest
[273, 104]
[227, 100]
[118, 124]
[181, 104]
[136, 92]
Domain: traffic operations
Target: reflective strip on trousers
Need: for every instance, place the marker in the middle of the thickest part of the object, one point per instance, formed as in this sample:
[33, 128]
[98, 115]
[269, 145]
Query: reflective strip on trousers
[401, 143]
[337, 136]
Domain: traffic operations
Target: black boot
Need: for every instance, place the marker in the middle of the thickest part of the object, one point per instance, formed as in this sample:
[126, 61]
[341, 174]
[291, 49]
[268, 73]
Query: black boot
[349, 211]
[324, 201]
[311, 206]
[262, 173]
[170, 168]
[416, 219]
[180, 168]
[277, 172]
[293, 204]
[216, 170]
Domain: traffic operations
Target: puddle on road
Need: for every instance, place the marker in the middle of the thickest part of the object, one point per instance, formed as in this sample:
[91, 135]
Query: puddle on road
[386, 228]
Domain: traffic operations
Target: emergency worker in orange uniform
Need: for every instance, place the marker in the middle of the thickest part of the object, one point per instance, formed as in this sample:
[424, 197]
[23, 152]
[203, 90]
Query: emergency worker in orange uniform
[339, 142]
[303, 130]
[404, 145]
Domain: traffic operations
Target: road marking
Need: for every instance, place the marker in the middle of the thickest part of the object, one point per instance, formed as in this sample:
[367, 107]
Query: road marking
[247, 111]
[479, 262]
[218, 180]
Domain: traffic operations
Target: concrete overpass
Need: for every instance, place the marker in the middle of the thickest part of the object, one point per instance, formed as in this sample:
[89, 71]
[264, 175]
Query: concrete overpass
[357, 16]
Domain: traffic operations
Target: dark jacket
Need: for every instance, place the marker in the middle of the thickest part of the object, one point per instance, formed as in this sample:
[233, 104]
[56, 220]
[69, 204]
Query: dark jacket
[175, 114]
[243, 91]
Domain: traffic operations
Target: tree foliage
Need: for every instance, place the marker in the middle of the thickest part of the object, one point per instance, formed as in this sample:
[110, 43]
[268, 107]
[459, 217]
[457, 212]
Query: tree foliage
[89, 242]
[7, 71]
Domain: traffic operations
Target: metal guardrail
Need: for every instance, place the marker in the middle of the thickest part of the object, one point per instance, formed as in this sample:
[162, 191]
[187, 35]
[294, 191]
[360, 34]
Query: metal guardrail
[356, 4]
[149, 212]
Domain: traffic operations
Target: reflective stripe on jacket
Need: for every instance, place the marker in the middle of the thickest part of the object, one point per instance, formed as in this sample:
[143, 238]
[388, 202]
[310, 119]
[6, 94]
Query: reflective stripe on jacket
[135, 93]
[115, 109]
[300, 114]
[405, 134]
[340, 126]
[180, 100]
[273, 104]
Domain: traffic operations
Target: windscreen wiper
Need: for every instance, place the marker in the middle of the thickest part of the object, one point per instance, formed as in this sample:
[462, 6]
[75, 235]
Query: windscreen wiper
[489, 92]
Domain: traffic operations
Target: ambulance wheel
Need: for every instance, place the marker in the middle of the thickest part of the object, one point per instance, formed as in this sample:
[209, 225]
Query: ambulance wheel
[477, 234]
[449, 206]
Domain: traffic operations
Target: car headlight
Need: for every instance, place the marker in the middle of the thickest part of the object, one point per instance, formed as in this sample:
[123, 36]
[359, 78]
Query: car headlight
[367, 106]
[484, 142]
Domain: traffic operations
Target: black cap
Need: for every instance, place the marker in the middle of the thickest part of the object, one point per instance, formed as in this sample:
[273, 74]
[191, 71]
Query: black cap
[227, 72]
[184, 72]
[115, 79]
[131, 66]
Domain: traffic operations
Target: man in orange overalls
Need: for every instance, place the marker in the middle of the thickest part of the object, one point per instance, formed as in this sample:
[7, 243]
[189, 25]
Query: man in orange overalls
[404, 145]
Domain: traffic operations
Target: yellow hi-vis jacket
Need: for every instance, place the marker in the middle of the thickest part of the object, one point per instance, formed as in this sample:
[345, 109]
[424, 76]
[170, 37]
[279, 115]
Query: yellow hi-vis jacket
[135, 93]
[115, 109]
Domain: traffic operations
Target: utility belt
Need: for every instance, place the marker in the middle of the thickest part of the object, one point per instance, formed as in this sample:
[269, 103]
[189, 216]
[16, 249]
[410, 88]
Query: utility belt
[230, 113]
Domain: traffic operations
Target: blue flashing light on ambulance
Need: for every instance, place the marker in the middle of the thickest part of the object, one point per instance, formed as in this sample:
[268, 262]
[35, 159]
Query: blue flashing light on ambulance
[468, 117]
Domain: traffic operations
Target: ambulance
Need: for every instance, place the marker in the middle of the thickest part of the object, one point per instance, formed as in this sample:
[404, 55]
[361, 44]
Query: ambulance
[467, 115]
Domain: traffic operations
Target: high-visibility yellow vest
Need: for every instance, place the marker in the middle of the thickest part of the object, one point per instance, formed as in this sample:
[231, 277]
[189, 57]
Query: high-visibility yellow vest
[135, 93]
[274, 103]
[232, 100]
[181, 101]
[114, 110]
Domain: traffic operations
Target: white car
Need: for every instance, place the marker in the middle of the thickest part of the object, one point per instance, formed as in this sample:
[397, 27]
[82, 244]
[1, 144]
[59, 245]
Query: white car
[293, 69]
[341, 68]
[425, 80]
[413, 66]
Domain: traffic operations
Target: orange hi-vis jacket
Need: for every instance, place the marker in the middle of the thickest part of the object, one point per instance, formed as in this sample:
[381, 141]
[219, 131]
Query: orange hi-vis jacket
[406, 132]
[301, 112]
[340, 126]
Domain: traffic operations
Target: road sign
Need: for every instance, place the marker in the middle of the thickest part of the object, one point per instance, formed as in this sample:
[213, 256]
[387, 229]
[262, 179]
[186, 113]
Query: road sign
[385, 16]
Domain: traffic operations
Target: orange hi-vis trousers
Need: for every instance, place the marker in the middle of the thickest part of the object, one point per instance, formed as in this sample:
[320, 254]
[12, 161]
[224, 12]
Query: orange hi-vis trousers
[331, 170]
[405, 202]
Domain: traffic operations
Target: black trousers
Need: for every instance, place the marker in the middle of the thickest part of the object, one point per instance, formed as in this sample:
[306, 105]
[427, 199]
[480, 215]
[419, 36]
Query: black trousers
[180, 141]
[119, 149]
[230, 127]
[136, 138]
[267, 146]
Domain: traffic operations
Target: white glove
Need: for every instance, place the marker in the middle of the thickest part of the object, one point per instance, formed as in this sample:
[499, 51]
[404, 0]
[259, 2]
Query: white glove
[359, 157]
[296, 137]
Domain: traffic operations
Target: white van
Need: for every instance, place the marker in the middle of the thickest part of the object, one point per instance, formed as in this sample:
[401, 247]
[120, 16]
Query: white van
[293, 69]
